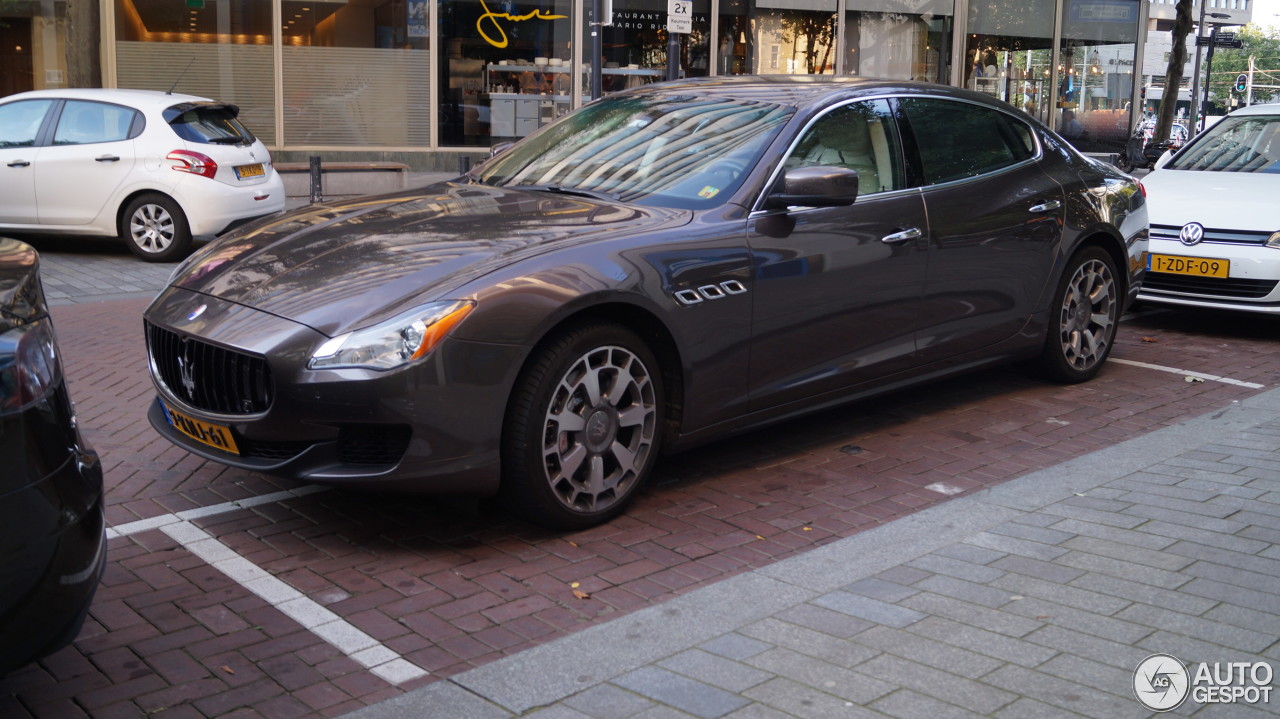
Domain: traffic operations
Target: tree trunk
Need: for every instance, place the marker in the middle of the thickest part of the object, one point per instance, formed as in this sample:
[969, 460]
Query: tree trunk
[1173, 75]
[83, 66]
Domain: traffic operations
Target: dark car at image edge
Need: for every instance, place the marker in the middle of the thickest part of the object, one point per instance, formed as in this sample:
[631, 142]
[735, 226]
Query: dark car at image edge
[661, 268]
[52, 543]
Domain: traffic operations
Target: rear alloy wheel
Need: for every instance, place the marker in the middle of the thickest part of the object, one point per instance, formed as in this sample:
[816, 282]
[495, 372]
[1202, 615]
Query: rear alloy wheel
[1085, 312]
[156, 228]
[584, 428]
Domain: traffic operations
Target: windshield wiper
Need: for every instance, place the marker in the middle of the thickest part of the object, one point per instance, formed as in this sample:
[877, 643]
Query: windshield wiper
[237, 140]
[557, 189]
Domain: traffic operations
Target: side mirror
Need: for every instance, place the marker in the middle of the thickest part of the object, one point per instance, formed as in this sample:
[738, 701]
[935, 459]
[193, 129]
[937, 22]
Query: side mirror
[820, 186]
[499, 148]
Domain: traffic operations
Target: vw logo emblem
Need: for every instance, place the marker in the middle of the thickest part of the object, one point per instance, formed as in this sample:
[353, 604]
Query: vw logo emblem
[1191, 233]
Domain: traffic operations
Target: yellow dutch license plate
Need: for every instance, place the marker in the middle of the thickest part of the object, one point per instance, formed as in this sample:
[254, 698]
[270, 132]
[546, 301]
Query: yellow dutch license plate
[1196, 266]
[213, 435]
[245, 171]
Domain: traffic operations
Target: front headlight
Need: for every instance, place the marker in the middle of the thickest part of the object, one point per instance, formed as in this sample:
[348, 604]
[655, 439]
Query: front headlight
[1274, 240]
[393, 343]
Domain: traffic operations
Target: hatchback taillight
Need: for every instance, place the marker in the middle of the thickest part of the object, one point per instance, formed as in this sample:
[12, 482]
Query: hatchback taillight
[193, 162]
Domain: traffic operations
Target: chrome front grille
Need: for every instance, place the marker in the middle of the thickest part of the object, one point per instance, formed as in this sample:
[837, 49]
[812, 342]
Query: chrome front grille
[1212, 235]
[208, 377]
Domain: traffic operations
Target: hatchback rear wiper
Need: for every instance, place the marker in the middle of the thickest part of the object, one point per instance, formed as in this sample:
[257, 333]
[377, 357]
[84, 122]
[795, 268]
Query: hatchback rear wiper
[237, 140]
[557, 189]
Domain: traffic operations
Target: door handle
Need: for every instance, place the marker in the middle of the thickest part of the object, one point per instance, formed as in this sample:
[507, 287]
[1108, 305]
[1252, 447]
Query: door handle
[1046, 206]
[19, 163]
[910, 234]
[106, 158]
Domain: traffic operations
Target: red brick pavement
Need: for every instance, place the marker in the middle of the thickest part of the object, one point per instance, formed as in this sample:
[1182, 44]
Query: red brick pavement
[451, 584]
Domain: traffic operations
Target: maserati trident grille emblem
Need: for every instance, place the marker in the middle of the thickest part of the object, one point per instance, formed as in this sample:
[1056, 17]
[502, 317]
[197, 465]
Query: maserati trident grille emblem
[1191, 233]
[186, 370]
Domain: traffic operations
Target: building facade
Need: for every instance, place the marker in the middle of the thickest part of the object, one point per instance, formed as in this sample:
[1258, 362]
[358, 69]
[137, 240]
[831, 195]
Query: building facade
[426, 80]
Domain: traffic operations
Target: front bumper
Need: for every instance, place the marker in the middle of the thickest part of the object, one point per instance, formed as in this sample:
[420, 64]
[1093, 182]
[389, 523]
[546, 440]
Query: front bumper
[434, 426]
[1252, 284]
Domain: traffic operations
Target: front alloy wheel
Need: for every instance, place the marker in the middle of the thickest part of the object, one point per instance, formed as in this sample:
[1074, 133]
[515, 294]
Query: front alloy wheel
[1086, 310]
[584, 428]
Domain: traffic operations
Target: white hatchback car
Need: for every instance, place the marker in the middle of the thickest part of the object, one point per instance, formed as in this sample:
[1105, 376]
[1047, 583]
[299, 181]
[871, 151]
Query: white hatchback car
[154, 168]
[1215, 229]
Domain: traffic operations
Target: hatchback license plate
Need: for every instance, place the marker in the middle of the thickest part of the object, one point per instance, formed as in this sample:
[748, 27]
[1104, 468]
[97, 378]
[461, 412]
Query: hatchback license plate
[1197, 266]
[213, 435]
[244, 171]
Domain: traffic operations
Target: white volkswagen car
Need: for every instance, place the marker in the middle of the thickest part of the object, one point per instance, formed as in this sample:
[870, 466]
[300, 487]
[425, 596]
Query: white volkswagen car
[1215, 227]
[153, 168]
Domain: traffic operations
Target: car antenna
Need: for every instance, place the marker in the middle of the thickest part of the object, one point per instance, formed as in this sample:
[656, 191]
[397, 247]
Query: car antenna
[179, 78]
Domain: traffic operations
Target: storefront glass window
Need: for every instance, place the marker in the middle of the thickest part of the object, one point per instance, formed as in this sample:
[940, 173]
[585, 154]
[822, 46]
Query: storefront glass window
[1095, 73]
[1009, 51]
[35, 46]
[506, 68]
[221, 49]
[634, 47]
[356, 73]
[777, 37]
[899, 39]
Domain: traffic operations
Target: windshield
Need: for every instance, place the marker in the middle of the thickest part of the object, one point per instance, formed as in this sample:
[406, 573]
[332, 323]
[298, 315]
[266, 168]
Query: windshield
[1236, 144]
[660, 150]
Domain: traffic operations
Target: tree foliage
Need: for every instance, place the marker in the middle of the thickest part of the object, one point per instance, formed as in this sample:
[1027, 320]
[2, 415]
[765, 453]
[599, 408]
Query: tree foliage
[1264, 45]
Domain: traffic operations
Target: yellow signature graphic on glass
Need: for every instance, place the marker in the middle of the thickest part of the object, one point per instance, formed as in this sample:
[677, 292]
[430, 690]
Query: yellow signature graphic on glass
[494, 17]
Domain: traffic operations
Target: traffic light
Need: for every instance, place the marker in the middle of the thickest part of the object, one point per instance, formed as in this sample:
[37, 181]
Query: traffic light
[1242, 82]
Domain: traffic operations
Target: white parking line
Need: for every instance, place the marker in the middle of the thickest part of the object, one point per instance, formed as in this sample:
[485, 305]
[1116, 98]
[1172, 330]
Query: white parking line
[364, 649]
[1189, 373]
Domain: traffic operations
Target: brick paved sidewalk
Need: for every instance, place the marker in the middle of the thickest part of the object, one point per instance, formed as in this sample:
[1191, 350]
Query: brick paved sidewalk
[1035, 598]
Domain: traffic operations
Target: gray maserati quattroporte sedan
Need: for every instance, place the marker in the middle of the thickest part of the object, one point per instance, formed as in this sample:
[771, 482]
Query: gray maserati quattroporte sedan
[662, 267]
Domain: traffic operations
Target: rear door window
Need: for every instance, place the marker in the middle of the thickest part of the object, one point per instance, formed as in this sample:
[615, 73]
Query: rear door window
[208, 124]
[20, 122]
[958, 140]
[84, 123]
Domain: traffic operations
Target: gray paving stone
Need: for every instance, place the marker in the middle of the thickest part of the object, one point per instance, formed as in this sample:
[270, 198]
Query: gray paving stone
[1128, 553]
[806, 702]
[824, 620]
[906, 704]
[943, 686]
[987, 596]
[663, 712]
[1231, 490]
[1246, 618]
[1046, 612]
[1262, 534]
[438, 699]
[1155, 478]
[1119, 568]
[560, 711]
[1022, 547]
[1226, 557]
[1213, 632]
[957, 568]
[880, 589]
[1231, 575]
[1237, 711]
[701, 700]
[605, 701]
[903, 574]
[1258, 518]
[1026, 708]
[807, 641]
[1234, 543]
[974, 615]
[1097, 503]
[714, 670]
[1184, 463]
[1136, 537]
[869, 609]
[758, 711]
[1138, 491]
[904, 643]
[1083, 599]
[1200, 521]
[1064, 694]
[1124, 520]
[1116, 654]
[1047, 571]
[1188, 649]
[734, 646]
[1033, 520]
[1178, 601]
[969, 552]
[828, 678]
[1103, 677]
[1041, 535]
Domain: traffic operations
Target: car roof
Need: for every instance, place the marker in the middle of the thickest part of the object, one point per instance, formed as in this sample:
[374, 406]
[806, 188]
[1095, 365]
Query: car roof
[141, 99]
[800, 90]
[1264, 109]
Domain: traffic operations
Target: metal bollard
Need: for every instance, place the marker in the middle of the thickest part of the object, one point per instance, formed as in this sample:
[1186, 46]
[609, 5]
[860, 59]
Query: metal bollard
[464, 164]
[317, 193]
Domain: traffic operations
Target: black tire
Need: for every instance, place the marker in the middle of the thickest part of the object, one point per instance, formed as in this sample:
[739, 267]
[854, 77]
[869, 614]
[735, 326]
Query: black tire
[155, 228]
[1082, 318]
[583, 427]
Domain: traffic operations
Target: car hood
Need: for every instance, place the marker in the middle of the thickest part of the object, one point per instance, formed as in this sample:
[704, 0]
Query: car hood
[339, 266]
[1225, 200]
